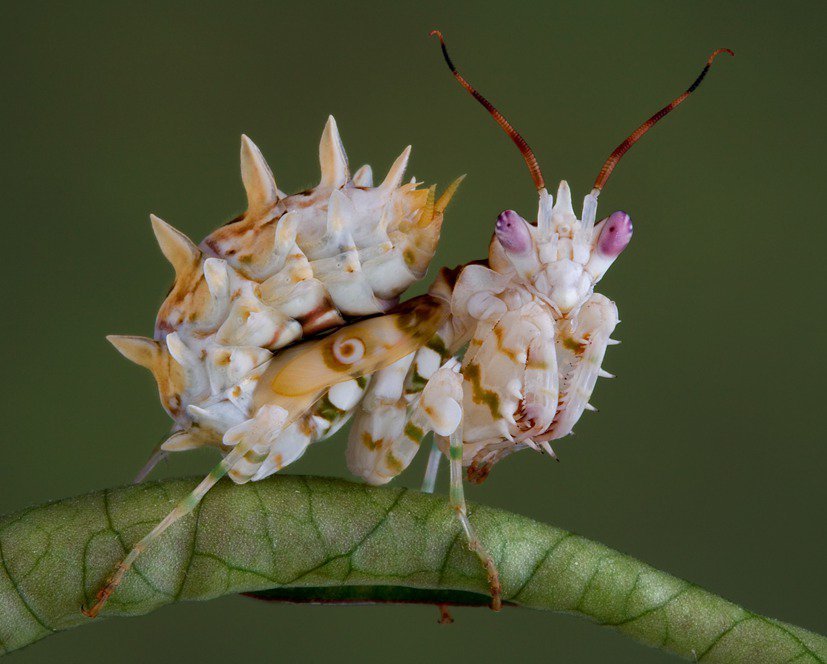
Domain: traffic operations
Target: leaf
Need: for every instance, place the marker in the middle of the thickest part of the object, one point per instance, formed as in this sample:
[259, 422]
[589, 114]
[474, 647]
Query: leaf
[311, 539]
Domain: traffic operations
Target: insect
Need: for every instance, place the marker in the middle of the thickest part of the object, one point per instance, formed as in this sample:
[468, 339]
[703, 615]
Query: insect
[285, 322]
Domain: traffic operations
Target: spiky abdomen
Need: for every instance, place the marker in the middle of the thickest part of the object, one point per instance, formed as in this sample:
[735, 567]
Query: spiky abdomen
[289, 267]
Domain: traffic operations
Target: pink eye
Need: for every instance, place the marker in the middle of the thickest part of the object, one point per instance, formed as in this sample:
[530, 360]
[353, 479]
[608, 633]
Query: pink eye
[512, 232]
[615, 234]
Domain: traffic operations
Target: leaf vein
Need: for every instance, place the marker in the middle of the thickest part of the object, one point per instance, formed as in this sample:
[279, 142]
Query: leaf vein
[722, 635]
[121, 541]
[654, 608]
[535, 570]
[355, 547]
[186, 568]
[804, 647]
[587, 586]
[17, 589]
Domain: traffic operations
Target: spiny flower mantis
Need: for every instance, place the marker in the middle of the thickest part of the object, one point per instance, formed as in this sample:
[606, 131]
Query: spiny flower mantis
[285, 322]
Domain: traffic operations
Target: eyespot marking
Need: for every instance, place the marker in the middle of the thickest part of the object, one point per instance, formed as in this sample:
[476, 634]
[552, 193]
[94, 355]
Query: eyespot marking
[349, 350]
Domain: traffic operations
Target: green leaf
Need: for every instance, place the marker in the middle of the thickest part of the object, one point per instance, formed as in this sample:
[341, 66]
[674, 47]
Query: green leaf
[305, 539]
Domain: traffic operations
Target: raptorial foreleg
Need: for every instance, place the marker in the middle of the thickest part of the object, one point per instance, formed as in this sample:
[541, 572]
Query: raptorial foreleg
[580, 351]
[540, 381]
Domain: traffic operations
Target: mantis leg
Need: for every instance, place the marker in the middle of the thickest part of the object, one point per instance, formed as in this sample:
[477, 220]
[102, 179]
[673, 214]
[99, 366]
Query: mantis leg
[439, 410]
[155, 458]
[250, 442]
[184, 507]
[432, 469]
[580, 352]
[378, 447]
[457, 497]
[540, 382]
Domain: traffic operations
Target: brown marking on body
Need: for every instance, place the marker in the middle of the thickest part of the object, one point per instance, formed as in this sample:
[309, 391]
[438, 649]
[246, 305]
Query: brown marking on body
[479, 394]
[168, 374]
[393, 463]
[276, 335]
[415, 433]
[320, 318]
[437, 345]
[307, 426]
[247, 239]
[499, 333]
[369, 442]
[256, 458]
[163, 327]
[416, 315]
[478, 471]
[329, 357]
[573, 345]
[188, 299]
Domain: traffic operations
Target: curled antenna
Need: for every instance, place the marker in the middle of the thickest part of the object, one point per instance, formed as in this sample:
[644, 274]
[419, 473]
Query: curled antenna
[519, 141]
[621, 149]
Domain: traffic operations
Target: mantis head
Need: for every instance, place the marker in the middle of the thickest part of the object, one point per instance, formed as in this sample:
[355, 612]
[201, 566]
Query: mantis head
[560, 256]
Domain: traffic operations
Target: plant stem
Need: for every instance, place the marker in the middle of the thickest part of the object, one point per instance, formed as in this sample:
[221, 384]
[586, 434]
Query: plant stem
[312, 539]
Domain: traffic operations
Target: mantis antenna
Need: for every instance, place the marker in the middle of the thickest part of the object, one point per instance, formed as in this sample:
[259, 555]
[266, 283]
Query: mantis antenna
[519, 141]
[635, 136]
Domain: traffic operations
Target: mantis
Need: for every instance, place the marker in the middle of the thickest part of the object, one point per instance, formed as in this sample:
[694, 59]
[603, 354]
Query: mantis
[285, 323]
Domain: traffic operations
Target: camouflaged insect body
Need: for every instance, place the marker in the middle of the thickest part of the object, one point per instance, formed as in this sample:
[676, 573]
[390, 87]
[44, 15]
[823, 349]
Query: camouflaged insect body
[242, 364]
[290, 267]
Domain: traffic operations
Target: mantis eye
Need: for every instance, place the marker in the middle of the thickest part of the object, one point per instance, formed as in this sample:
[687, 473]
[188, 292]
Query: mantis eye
[615, 234]
[512, 232]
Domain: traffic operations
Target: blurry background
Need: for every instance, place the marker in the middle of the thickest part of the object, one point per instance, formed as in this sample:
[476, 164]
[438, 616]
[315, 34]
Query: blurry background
[707, 458]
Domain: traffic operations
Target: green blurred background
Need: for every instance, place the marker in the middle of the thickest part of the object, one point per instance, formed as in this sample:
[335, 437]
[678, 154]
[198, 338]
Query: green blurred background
[707, 458]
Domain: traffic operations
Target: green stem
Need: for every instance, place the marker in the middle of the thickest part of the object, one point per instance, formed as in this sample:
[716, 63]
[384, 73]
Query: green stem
[312, 539]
